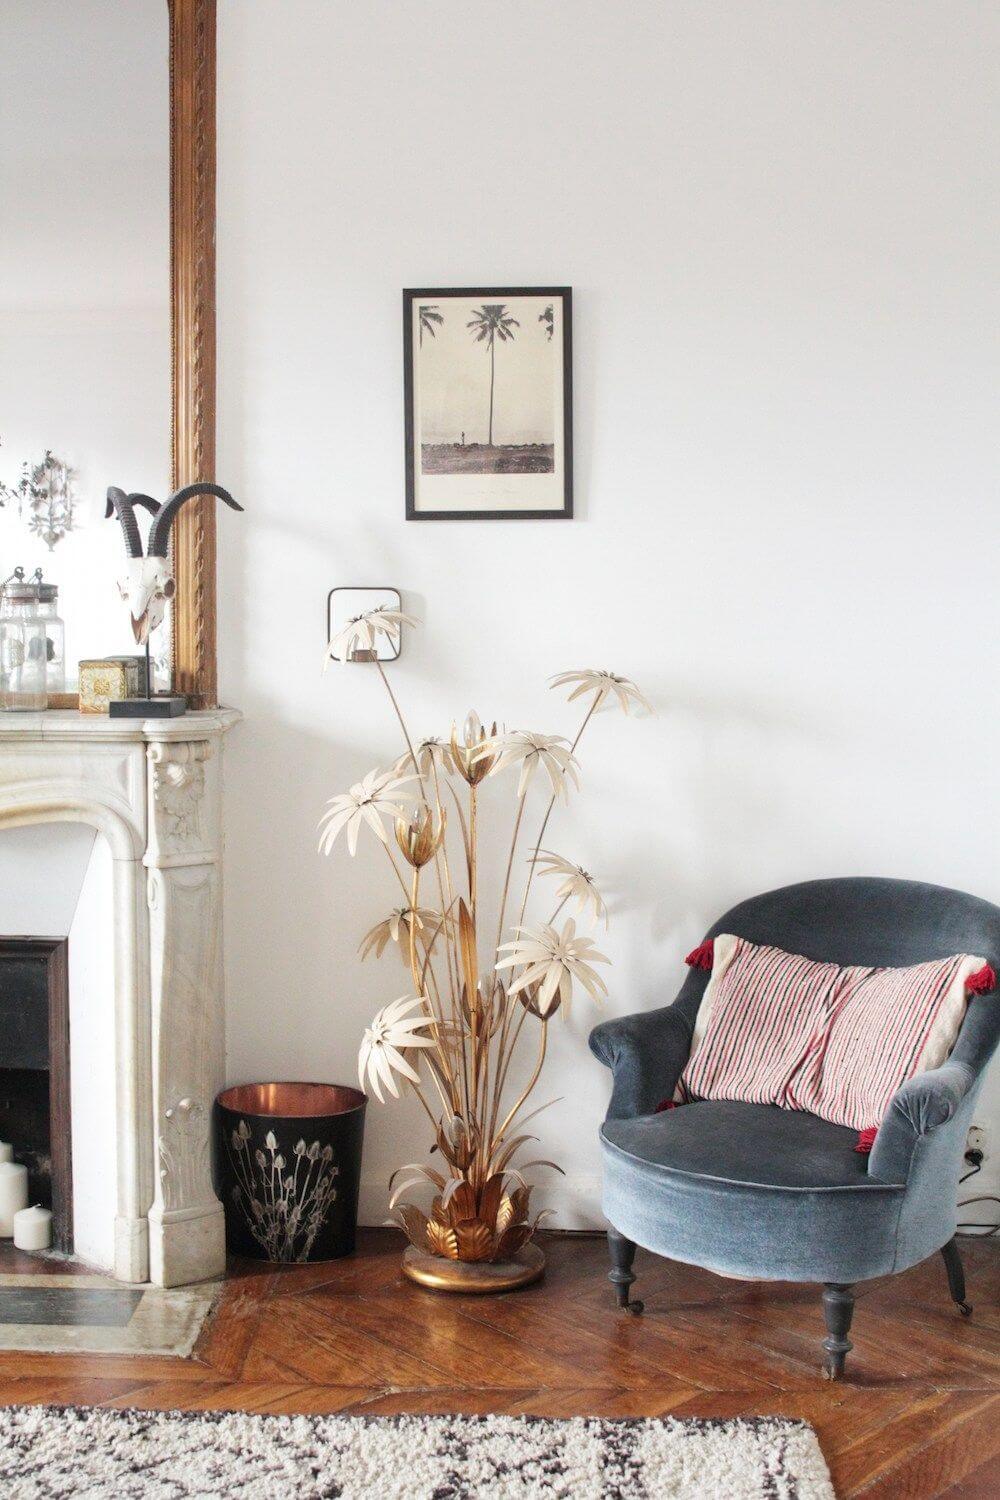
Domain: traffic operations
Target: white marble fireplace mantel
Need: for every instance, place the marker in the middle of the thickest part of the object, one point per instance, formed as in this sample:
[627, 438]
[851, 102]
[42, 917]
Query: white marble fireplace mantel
[152, 788]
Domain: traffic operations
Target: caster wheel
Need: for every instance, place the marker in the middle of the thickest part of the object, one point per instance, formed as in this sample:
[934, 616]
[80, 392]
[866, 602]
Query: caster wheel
[635, 1308]
[829, 1373]
[965, 1308]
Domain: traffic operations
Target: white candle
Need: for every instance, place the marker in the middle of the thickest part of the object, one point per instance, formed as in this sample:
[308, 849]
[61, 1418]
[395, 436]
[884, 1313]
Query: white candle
[6, 1151]
[13, 1195]
[33, 1228]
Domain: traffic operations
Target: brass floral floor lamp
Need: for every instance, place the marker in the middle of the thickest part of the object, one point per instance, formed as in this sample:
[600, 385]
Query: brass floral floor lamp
[475, 996]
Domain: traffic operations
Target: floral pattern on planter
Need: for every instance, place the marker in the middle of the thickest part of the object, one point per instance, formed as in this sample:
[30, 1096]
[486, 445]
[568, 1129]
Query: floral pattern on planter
[284, 1207]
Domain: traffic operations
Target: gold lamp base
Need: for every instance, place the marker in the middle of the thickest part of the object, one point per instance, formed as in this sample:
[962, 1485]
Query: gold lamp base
[475, 1276]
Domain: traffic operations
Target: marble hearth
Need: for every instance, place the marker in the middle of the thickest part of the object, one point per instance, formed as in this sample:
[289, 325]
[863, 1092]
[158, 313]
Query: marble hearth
[152, 790]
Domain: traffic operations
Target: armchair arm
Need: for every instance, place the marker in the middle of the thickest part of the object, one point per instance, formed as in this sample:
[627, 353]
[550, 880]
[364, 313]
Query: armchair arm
[646, 1053]
[920, 1105]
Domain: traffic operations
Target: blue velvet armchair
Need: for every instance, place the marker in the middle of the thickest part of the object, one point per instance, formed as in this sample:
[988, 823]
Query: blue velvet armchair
[755, 1191]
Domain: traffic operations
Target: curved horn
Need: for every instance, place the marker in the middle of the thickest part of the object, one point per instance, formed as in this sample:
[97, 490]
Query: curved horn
[120, 505]
[146, 501]
[159, 532]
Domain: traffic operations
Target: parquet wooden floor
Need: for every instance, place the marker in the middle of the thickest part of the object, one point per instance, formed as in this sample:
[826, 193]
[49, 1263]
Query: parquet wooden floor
[918, 1414]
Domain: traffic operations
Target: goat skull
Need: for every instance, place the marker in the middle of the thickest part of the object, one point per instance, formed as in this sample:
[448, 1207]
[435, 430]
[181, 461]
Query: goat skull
[147, 583]
[145, 587]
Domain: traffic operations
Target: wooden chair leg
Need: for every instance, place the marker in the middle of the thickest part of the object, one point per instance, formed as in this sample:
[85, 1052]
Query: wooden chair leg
[621, 1275]
[956, 1275]
[838, 1310]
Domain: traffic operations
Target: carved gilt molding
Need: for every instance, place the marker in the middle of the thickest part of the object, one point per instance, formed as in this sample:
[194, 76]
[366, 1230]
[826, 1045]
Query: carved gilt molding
[192, 326]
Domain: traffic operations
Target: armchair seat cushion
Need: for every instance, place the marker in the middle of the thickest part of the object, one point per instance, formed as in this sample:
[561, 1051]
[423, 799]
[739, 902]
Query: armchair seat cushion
[753, 1190]
[745, 1144]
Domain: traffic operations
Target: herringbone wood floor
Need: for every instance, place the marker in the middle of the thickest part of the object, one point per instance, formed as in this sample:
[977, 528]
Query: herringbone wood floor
[917, 1416]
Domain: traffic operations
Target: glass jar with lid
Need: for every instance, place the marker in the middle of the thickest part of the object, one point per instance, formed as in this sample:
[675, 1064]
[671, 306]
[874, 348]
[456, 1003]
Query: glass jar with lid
[32, 643]
[55, 636]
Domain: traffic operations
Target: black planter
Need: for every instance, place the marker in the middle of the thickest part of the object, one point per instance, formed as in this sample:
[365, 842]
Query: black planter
[288, 1169]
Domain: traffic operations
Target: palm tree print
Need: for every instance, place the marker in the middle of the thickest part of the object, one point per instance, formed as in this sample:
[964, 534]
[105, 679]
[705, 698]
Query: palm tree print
[548, 319]
[429, 315]
[490, 323]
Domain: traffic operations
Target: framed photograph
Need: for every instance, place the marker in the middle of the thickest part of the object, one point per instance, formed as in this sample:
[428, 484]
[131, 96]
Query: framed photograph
[488, 386]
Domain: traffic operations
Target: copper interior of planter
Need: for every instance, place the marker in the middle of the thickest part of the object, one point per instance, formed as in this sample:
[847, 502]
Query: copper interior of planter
[291, 1100]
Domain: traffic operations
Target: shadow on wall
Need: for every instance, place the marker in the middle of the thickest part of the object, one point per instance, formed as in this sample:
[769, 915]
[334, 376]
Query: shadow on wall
[671, 818]
[299, 995]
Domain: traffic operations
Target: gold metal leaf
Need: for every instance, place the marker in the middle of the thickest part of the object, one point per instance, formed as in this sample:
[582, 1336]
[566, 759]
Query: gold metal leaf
[505, 1215]
[489, 1199]
[475, 1241]
[508, 1151]
[442, 1240]
[519, 1201]
[513, 1209]
[467, 939]
[415, 1223]
[489, 1005]
[512, 1239]
[462, 1204]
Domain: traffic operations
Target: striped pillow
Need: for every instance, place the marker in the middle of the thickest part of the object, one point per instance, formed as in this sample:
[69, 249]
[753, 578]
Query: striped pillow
[776, 1028]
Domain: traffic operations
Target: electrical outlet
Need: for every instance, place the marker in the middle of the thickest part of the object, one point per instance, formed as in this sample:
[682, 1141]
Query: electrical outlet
[978, 1140]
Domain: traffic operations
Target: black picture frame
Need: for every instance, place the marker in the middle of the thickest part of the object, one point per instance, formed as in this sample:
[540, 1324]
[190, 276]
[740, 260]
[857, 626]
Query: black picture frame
[439, 294]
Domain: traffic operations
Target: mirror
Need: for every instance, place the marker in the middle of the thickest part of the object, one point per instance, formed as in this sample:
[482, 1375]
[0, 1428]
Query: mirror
[85, 346]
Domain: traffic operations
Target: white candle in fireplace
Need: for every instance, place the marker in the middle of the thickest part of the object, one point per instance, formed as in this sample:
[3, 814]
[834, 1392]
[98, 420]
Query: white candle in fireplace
[13, 1195]
[33, 1228]
[6, 1151]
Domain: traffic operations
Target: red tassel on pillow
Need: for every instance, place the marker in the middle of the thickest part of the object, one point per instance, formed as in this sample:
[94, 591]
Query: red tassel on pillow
[982, 981]
[866, 1139]
[666, 1104]
[703, 956]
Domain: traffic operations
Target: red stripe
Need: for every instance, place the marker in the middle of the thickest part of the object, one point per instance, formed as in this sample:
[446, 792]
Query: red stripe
[836, 1042]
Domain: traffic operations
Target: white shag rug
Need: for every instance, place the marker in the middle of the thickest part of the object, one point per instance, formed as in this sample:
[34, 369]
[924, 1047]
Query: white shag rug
[49, 1452]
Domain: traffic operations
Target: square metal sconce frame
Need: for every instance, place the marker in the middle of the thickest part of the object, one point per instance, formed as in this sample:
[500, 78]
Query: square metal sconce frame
[345, 602]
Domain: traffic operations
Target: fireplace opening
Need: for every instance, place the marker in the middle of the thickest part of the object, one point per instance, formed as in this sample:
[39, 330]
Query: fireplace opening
[34, 1073]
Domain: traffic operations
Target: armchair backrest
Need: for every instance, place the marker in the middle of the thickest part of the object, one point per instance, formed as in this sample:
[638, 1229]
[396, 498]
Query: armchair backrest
[884, 923]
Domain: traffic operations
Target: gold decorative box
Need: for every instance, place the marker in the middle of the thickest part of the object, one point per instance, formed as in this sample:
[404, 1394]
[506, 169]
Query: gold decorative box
[109, 680]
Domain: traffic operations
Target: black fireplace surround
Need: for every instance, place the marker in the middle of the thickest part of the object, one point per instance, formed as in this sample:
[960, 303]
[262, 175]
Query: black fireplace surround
[34, 1072]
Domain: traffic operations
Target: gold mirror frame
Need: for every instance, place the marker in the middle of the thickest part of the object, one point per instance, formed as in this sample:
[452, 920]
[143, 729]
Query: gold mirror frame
[192, 342]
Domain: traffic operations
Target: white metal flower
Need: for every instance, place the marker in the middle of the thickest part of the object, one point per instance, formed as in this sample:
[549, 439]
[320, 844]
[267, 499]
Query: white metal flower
[430, 752]
[396, 929]
[392, 1032]
[370, 800]
[577, 883]
[550, 751]
[361, 632]
[552, 960]
[604, 684]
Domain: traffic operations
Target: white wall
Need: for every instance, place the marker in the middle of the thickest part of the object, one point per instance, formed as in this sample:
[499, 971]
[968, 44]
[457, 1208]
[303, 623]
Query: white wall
[84, 284]
[778, 224]
[42, 870]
